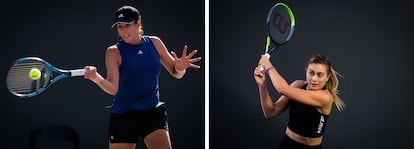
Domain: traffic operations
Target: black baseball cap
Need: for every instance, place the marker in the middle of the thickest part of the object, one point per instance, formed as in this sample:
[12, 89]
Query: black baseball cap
[126, 14]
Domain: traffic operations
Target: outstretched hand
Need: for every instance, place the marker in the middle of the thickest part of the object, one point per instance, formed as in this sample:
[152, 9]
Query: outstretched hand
[185, 61]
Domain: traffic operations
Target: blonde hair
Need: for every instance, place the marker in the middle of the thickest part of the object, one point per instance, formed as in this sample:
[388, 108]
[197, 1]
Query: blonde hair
[333, 82]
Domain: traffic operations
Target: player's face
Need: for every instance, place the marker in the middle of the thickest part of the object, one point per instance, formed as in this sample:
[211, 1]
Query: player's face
[128, 32]
[316, 76]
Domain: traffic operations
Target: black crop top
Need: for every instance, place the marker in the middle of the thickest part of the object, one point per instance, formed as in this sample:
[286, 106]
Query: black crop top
[306, 120]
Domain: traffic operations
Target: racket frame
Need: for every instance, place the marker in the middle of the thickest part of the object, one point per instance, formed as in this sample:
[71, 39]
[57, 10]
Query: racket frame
[269, 40]
[55, 74]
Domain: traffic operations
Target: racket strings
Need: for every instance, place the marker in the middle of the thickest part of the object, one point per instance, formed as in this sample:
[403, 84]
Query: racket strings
[280, 23]
[19, 81]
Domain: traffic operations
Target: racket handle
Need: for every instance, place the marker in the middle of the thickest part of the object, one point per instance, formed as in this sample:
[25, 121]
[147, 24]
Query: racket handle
[267, 55]
[261, 68]
[77, 72]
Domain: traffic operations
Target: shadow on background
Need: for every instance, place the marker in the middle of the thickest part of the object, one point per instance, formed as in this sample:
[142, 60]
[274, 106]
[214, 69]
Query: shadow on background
[54, 136]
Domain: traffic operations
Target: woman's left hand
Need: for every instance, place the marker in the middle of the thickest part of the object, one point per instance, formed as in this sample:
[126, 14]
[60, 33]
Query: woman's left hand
[185, 61]
[259, 76]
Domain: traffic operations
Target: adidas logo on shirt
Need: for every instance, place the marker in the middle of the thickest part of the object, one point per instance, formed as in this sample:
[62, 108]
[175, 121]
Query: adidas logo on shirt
[140, 52]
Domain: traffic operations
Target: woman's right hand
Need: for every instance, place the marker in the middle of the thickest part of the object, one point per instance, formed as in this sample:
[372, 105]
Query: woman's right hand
[92, 74]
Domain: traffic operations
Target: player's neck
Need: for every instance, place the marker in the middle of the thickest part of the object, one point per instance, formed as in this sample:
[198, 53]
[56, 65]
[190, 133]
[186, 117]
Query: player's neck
[135, 41]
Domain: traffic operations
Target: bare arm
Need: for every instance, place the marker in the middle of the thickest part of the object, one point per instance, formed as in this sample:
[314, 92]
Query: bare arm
[269, 108]
[174, 65]
[112, 63]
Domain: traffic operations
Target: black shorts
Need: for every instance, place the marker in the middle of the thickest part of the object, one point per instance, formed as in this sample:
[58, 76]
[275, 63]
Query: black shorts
[128, 127]
[288, 143]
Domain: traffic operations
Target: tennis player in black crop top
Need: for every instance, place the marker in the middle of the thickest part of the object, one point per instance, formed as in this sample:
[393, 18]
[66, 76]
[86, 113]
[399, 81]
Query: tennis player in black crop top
[309, 101]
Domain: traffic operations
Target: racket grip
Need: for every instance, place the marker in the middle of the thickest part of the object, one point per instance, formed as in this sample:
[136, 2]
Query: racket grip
[267, 55]
[77, 72]
[261, 68]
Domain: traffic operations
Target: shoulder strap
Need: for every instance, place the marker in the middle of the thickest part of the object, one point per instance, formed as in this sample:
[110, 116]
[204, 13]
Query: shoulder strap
[148, 42]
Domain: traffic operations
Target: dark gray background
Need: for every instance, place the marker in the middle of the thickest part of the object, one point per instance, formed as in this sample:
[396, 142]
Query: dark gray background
[368, 42]
[71, 34]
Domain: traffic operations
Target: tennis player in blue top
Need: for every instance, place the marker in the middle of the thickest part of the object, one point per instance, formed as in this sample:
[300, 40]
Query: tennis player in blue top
[133, 67]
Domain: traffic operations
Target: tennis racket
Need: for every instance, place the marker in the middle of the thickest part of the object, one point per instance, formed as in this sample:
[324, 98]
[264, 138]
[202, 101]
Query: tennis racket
[280, 23]
[21, 84]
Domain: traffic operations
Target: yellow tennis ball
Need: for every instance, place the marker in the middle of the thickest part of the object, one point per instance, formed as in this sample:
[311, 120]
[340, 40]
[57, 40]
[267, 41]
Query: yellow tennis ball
[35, 74]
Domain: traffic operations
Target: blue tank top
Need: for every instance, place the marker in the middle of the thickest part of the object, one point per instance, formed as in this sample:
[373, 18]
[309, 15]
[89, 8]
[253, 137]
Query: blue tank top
[138, 76]
[306, 120]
